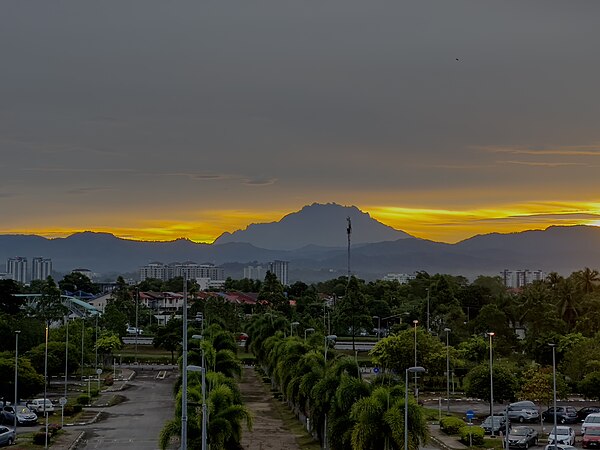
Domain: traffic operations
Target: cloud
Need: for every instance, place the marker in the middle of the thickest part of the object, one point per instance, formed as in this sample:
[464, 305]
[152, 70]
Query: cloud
[543, 163]
[87, 190]
[566, 150]
[259, 181]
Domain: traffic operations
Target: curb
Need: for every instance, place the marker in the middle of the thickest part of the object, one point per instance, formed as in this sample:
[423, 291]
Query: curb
[77, 440]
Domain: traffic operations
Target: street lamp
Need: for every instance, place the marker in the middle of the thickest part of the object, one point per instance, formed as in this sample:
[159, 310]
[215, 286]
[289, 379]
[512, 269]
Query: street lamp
[204, 411]
[184, 365]
[331, 337]
[45, 386]
[414, 370]
[62, 419]
[447, 330]
[16, 378]
[554, 391]
[491, 335]
[415, 323]
[378, 325]
[292, 325]
[308, 330]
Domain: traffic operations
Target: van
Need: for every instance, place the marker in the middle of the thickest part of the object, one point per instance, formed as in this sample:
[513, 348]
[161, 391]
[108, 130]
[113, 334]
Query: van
[524, 411]
[592, 420]
[37, 406]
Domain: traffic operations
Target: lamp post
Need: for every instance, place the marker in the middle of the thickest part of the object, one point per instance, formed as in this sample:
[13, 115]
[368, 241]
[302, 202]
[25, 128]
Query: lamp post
[137, 300]
[292, 325]
[554, 391]
[62, 419]
[378, 325]
[415, 323]
[204, 410]
[447, 330]
[184, 366]
[96, 342]
[82, 339]
[414, 370]
[46, 386]
[491, 335]
[331, 337]
[16, 377]
[308, 330]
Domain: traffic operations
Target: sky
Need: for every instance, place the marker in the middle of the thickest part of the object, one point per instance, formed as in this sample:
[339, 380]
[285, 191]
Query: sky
[156, 120]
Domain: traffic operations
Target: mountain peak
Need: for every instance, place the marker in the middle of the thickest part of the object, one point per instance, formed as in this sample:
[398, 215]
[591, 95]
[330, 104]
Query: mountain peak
[317, 224]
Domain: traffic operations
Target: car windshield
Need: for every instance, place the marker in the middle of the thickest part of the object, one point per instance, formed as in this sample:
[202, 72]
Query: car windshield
[519, 432]
[571, 409]
[561, 431]
[497, 420]
[593, 419]
[24, 410]
[593, 431]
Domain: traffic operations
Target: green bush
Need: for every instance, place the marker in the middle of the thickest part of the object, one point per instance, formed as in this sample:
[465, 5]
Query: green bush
[83, 399]
[53, 428]
[95, 393]
[472, 435]
[451, 424]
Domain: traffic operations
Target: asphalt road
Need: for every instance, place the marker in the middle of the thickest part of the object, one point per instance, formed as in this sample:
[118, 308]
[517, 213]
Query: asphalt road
[136, 423]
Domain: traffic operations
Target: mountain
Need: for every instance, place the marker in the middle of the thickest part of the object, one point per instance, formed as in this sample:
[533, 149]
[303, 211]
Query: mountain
[316, 224]
[559, 249]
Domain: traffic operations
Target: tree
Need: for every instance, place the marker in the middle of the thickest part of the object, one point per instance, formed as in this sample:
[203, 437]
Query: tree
[76, 281]
[114, 319]
[271, 292]
[106, 344]
[30, 382]
[9, 303]
[590, 386]
[477, 383]
[56, 358]
[538, 385]
[49, 305]
[169, 337]
[351, 313]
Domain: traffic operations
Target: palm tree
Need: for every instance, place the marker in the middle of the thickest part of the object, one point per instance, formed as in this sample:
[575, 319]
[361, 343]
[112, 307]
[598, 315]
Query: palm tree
[587, 280]
[226, 418]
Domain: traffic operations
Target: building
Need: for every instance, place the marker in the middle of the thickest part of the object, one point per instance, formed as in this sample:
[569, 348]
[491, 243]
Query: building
[86, 272]
[41, 268]
[519, 278]
[16, 269]
[189, 270]
[401, 278]
[280, 269]
[254, 273]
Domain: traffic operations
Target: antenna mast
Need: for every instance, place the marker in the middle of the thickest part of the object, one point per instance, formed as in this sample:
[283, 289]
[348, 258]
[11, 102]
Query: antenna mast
[349, 231]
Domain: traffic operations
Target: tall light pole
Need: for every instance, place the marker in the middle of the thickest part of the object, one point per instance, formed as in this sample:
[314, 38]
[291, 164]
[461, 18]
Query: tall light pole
[378, 325]
[62, 419]
[414, 370]
[331, 337]
[137, 300]
[554, 391]
[96, 343]
[82, 339]
[204, 410]
[184, 366]
[447, 330]
[491, 335]
[46, 386]
[415, 323]
[307, 330]
[16, 377]
[292, 325]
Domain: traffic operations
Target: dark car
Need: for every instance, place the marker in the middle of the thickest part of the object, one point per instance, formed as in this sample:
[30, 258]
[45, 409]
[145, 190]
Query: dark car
[564, 414]
[522, 437]
[495, 423]
[6, 418]
[585, 411]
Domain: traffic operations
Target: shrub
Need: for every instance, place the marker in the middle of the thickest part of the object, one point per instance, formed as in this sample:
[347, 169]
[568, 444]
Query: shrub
[108, 381]
[83, 399]
[470, 435]
[451, 424]
[94, 393]
[39, 438]
[53, 428]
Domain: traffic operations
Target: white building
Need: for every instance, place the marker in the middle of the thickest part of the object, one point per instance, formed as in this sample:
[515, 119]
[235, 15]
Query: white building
[280, 269]
[401, 278]
[16, 269]
[521, 277]
[188, 269]
[41, 268]
[254, 272]
[153, 270]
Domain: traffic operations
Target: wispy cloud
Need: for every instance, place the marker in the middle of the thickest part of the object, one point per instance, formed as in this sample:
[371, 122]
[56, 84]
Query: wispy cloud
[87, 190]
[542, 163]
[565, 150]
[259, 181]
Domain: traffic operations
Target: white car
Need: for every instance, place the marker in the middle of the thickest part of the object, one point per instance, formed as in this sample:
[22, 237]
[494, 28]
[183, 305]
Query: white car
[37, 406]
[134, 330]
[591, 420]
[562, 435]
[559, 447]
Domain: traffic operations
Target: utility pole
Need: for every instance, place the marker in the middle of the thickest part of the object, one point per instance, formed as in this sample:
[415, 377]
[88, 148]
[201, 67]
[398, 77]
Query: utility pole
[349, 233]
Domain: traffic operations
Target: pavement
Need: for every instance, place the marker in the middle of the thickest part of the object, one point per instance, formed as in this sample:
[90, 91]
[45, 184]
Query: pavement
[71, 436]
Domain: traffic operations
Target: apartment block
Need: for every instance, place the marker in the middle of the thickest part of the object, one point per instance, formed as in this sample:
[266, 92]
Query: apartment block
[41, 268]
[521, 277]
[16, 269]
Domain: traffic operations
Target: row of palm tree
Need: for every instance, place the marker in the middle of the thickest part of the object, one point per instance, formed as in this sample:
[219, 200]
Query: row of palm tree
[226, 412]
[343, 410]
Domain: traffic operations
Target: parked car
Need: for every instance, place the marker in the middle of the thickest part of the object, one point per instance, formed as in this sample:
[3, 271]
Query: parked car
[7, 436]
[37, 406]
[6, 418]
[564, 414]
[592, 420]
[522, 437]
[496, 423]
[586, 411]
[562, 435]
[134, 330]
[559, 447]
[591, 438]
[524, 411]
[25, 416]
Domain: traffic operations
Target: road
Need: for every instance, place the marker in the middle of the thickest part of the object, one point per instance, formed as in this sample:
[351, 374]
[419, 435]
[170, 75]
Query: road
[136, 423]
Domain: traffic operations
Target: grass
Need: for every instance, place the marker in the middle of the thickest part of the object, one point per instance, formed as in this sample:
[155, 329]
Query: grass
[303, 438]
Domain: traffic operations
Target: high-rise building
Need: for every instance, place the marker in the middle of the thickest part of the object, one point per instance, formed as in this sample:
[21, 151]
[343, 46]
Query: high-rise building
[16, 269]
[280, 269]
[41, 268]
[189, 269]
[520, 278]
[254, 273]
